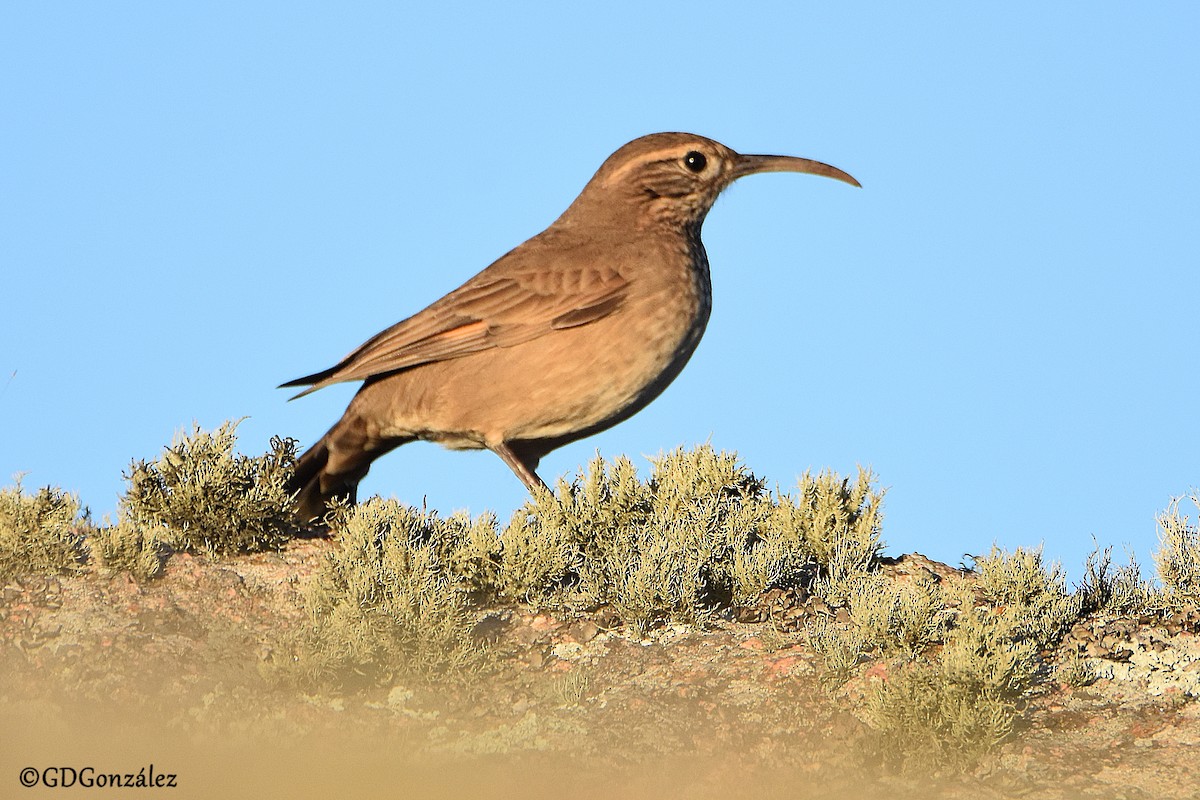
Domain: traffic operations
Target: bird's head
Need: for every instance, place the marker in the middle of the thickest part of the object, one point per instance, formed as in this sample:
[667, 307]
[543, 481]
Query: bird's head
[675, 178]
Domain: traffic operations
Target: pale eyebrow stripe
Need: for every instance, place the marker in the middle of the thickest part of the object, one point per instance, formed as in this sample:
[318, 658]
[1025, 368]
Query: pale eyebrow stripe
[662, 154]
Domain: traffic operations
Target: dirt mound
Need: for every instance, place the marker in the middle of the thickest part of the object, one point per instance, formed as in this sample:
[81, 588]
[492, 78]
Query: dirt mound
[184, 673]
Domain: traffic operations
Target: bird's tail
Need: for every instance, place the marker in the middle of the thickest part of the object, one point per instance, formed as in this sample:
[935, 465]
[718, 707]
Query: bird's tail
[331, 469]
[315, 487]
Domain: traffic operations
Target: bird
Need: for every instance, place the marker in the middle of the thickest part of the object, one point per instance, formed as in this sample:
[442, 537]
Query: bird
[566, 335]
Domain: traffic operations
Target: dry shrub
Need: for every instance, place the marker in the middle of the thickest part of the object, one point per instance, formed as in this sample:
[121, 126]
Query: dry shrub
[949, 711]
[40, 533]
[1178, 555]
[898, 619]
[701, 533]
[202, 496]
[1024, 586]
[131, 546]
[388, 601]
[1117, 591]
[842, 647]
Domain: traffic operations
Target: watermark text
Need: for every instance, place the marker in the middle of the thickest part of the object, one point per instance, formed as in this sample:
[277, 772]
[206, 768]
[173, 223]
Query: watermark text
[148, 777]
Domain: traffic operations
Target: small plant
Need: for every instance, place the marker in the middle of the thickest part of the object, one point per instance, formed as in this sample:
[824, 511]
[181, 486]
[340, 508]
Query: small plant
[948, 712]
[701, 533]
[1120, 591]
[924, 722]
[1074, 670]
[988, 652]
[40, 533]
[1021, 586]
[132, 547]
[544, 548]
[898, 618]
[843, 521]
[843, 647]
[656, 550]
[388, 603]
[570, 688]
[1178, 555]
[201, 496]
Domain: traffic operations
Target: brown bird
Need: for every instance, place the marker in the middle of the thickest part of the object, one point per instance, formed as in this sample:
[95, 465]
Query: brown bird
[565, 336]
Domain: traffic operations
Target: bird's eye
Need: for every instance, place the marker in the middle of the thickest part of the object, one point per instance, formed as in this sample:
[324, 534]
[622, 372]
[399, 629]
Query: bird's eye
[694, 161]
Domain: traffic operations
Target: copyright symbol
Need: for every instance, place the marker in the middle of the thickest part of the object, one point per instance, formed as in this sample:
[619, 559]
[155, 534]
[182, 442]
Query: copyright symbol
[29, 777]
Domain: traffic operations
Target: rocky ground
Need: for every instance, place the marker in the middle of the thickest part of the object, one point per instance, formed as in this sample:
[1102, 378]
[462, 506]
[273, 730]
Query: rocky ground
[183, 673]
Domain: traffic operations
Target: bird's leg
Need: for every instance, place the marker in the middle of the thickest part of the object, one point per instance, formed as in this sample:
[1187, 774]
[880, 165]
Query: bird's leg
[522, 466]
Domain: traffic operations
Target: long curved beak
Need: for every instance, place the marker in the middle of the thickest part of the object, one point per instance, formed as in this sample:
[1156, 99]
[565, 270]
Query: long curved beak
[749, 165]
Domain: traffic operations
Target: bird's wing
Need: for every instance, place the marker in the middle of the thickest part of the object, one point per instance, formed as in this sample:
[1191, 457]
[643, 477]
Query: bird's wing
[502, 310]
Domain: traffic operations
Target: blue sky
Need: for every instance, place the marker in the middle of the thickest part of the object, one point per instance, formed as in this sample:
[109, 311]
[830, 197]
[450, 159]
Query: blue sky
[201, 201]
